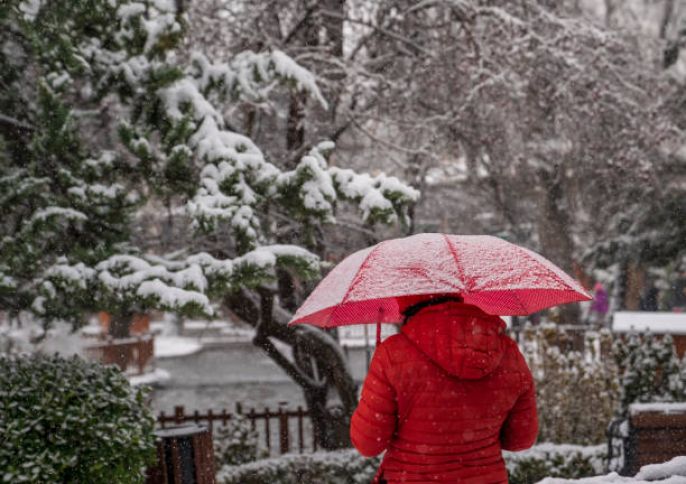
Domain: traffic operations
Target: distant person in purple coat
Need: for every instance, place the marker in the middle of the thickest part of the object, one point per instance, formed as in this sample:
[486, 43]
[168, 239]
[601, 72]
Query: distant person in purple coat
[599, 306]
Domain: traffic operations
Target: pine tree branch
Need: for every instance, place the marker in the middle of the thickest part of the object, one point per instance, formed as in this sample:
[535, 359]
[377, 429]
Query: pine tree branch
[13, 125]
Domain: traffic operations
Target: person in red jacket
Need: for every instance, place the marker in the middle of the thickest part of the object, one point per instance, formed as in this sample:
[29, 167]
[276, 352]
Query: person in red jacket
[444, 397]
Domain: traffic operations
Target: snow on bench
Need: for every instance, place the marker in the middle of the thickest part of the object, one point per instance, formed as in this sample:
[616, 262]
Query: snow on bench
[659, 407]
[655, 322]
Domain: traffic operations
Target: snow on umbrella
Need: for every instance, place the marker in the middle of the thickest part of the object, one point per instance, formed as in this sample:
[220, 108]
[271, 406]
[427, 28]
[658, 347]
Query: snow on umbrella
[376, 284]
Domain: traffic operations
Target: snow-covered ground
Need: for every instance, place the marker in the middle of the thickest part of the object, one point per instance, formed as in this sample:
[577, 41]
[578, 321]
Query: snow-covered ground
[544, 450]
[205, 332]
[672, 472]
[201, 325]
[173, 346]
[174, 340]
[158, 376]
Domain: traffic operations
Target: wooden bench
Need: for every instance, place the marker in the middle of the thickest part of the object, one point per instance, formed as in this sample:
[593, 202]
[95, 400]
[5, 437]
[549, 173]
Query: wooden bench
[657, 433]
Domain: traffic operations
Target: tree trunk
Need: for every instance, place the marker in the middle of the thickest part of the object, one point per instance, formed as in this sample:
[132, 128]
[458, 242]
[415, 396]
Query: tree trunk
[554, 232]
[295, 128]
[672, 47]
[635, 282]
[317, 366]
[120, 324]
[667, 13]
[414, 173]
[286, 287]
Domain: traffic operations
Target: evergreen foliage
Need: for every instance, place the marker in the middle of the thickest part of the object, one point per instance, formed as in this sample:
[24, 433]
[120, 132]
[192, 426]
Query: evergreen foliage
[100, 117]
[66, 420]
[349, 467]
[650, 370]
[236, 443]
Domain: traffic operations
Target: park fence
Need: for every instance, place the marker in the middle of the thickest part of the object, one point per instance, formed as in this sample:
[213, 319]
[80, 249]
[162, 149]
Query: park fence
[272, 426]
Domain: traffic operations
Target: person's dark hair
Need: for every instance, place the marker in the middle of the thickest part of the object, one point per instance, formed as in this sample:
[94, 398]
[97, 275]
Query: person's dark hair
[415, 308]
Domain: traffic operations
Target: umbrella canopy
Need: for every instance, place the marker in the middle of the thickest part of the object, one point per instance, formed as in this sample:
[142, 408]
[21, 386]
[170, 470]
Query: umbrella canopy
[376, 284]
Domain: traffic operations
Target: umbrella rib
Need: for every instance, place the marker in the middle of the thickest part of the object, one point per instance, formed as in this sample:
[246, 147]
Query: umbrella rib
[358, 274]
[526, 254]
[521, 303]
[453, 252]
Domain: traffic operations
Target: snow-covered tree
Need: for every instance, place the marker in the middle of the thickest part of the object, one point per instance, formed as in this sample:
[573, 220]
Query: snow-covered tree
[552, 121]
[101, 117]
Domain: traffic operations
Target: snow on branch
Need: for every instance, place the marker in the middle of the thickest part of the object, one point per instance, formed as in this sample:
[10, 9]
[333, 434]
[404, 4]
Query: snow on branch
[176, 124]
[252, 75]
[309, 188]
[178, 284]
[376, 196]
[77, 275]
[234, 163]
[318, 186]
[173, 298]
[57, 212]
[184, 97]
[30, 9]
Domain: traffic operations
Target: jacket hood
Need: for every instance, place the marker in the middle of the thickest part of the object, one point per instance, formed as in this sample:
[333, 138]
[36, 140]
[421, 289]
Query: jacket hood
[460, 338]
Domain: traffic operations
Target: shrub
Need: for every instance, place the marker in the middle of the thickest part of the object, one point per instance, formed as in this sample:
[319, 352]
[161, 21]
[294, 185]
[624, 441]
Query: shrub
[649, 370]
[552, 460]
[68, 420]
[577, 393]
[349, 467]
[336, 467]
[236, 443]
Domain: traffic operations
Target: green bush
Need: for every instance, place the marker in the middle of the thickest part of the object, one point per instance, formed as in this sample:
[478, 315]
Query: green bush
[555, 460]
[236, 443]
[349, 467]
[337, 467]
[649, 370]
[569, 383]
[71, 421]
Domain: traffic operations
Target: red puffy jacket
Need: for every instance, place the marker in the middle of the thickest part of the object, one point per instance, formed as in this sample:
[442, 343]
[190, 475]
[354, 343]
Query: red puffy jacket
[443, 398]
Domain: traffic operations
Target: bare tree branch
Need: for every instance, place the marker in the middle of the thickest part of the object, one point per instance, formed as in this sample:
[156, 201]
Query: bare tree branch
[408, 42]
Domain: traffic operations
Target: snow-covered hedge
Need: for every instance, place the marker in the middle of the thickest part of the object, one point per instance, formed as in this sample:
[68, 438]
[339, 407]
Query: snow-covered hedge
[337, 467]
[672, 472]
[555, 460]
[68, 420]
[348, 467]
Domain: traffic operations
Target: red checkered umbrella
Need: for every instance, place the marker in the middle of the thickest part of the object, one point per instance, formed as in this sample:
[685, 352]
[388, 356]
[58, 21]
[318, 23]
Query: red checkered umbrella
[376, 284]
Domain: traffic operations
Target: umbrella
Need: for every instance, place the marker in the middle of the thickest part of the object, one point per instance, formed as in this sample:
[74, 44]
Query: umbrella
[376, 284]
